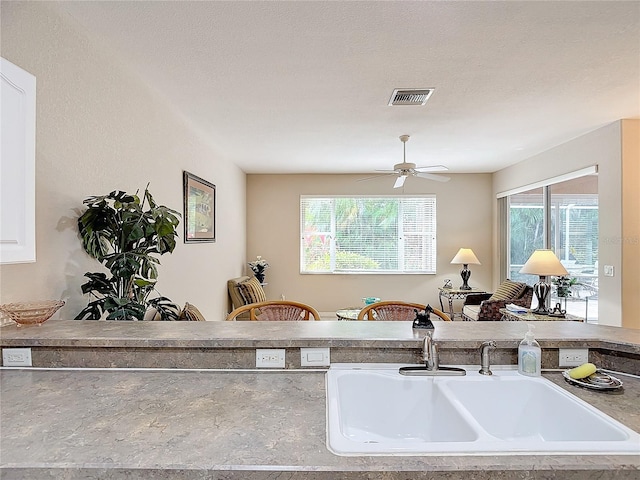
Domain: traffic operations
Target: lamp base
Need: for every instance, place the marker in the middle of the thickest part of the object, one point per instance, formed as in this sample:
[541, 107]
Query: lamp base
[541, 290]
[465, 273]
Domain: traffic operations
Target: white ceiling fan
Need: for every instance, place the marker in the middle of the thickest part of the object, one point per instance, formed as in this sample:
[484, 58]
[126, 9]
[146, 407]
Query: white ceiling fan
[406, 169]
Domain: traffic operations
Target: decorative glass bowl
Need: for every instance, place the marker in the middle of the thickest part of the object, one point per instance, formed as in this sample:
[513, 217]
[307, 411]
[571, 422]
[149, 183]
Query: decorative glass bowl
[31, 313]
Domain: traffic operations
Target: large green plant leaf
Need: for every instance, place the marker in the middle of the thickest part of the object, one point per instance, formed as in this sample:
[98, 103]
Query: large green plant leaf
[124, 309]
[97, 230]
[124, 265]
[168, 310]
[99, 284]
[93, 311]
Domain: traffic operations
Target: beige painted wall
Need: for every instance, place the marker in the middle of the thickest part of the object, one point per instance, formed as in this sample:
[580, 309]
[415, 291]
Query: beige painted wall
[601, 147]
[273, 231]
[100, 129]
[630, 223]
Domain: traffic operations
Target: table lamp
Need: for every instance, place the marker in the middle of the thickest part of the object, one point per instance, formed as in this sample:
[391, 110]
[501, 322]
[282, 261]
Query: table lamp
[465, 256]
[543, 263]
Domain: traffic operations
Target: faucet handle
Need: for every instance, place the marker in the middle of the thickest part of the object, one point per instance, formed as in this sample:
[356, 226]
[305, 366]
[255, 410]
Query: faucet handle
[435, 359]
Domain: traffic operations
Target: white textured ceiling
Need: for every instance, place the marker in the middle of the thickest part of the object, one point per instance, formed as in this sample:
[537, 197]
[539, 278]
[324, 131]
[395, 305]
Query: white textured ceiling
[302, 87]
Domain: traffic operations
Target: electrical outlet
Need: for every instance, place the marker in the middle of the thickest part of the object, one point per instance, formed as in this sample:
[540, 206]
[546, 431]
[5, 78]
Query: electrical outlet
[572, 357]
[16, 357]
[609, 271]
[270, 358]
[315, 357]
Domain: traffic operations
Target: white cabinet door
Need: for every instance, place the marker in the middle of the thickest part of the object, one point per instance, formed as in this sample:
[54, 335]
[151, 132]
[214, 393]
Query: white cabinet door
[17, 165]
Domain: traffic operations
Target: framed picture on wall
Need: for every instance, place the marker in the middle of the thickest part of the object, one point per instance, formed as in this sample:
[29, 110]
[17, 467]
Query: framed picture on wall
[199, 209]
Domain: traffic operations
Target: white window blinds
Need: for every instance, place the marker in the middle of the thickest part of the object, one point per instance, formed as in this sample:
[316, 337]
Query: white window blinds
[380, 234]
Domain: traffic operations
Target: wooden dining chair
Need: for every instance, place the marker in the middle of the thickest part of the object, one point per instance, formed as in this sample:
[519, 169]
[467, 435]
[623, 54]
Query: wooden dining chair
[276, 310]
[394, 310]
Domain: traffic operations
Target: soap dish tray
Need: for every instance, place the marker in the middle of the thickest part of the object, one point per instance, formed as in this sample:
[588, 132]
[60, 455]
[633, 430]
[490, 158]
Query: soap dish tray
[596, 381]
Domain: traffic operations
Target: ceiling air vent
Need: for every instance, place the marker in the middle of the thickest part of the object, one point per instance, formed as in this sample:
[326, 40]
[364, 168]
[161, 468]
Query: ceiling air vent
[410, 96]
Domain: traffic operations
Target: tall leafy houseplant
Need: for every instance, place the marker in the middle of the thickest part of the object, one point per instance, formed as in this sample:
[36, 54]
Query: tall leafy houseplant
[126, 234]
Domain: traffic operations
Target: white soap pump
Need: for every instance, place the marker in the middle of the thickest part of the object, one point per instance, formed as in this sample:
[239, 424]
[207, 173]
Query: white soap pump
[529, 355]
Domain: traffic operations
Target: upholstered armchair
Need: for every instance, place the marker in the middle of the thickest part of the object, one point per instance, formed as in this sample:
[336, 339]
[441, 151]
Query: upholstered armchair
[486, 306]
[243, 291]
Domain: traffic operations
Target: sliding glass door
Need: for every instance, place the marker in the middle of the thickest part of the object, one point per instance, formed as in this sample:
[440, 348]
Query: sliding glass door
[562, 216]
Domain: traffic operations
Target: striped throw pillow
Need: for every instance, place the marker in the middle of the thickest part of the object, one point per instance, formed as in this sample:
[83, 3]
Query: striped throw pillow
[508, 290]
[251, 291]
[191, 314]
[171, 310]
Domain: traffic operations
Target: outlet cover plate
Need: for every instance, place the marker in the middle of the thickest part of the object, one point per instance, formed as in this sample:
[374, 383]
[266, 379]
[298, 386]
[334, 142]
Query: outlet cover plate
[315, 357]
[572, 357]
[16, 357]
[270, 357]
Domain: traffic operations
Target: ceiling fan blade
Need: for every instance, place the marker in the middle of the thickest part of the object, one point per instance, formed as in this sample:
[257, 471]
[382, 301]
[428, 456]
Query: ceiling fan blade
[376, 176]
[432, 168]
[437, 178]
[400, 181]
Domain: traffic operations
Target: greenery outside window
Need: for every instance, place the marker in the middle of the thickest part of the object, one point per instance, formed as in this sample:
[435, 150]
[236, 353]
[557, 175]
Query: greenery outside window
[363, 234]
[573, 229]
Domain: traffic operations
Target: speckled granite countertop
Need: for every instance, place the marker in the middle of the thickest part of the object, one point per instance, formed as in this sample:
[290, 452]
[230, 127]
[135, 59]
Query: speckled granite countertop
[108, 424]
[172, 424]
[72, 333]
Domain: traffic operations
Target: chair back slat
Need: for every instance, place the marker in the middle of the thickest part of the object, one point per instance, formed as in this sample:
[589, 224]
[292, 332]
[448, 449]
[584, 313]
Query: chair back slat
[395, 313]
[281, 313]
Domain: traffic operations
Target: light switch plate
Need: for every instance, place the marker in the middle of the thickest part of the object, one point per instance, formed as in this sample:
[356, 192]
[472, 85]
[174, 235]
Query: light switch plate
[315, 357]
[609, 271]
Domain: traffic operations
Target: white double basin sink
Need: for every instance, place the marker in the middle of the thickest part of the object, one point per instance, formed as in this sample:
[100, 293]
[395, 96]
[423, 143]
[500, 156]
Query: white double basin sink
[373, 410]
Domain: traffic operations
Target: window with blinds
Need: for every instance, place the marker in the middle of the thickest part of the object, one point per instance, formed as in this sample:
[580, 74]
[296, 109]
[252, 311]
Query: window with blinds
[382, 234]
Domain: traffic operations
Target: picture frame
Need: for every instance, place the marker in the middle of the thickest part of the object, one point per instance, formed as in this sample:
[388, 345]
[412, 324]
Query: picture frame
[199, 201]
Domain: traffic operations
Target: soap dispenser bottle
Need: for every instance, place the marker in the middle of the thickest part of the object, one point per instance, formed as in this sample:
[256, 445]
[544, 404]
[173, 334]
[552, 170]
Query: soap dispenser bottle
[529, 355]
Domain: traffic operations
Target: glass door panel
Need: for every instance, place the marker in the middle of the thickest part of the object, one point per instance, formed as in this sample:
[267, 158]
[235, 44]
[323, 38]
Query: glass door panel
[574, 206]
[526, 231]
